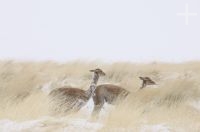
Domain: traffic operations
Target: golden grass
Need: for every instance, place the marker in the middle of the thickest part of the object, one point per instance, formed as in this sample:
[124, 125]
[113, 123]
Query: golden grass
[33, 107]
[178, 85]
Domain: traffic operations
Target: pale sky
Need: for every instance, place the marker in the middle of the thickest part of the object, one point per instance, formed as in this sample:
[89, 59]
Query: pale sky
[108, 30]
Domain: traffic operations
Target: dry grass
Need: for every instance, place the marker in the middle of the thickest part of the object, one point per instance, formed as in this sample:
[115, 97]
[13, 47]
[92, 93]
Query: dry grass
[178, 85]
[168, 105]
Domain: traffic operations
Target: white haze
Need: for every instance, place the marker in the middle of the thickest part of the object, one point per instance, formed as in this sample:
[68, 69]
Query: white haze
[110, 30]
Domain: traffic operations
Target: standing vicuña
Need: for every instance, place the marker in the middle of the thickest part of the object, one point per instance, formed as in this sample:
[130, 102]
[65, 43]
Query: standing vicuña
[111, 94]
[75, 98]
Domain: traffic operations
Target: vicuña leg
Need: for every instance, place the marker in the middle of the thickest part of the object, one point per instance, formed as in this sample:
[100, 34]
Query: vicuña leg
[98, 105]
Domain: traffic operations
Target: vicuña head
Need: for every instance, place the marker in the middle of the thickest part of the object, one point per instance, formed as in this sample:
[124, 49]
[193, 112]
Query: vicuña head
[98, 72]
[146, 81]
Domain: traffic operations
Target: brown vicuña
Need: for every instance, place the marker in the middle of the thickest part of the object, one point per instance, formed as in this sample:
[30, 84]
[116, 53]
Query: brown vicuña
[76, 98]
[111, 94]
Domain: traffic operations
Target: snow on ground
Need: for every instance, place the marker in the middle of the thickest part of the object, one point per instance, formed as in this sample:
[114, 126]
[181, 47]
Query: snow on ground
[12, 126]
[64, 124]
[195, 104]
[141, 128]
[50, 124]
[68, 124]
[155, 128]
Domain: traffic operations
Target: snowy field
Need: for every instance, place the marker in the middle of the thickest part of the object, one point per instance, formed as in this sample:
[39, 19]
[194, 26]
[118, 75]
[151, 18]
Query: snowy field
[67, 124]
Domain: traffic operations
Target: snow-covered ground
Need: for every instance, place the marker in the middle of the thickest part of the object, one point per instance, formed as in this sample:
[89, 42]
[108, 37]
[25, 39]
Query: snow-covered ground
[71, 124]
[155, 128]
[49, 124]
[57, 124]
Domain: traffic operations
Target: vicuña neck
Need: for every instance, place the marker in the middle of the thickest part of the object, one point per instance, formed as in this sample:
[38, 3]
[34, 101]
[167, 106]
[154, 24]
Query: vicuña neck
[93, 84]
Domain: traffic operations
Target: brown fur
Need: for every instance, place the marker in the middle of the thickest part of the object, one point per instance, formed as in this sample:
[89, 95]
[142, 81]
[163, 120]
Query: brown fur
[70, 96]
[75, 92]
[107, 93]
[75, 98]
[111, 94]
